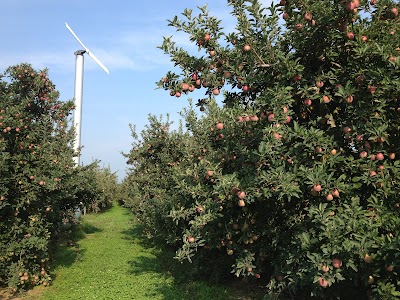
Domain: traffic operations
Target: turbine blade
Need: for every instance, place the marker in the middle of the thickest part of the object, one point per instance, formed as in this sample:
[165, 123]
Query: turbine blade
[97, 61]
[73, 33]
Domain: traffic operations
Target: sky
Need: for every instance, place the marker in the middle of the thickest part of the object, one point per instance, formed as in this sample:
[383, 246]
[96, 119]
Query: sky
[124, 36]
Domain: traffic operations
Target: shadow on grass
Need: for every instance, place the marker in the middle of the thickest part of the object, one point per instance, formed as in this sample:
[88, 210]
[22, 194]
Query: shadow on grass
[67, 253]
[185, 282]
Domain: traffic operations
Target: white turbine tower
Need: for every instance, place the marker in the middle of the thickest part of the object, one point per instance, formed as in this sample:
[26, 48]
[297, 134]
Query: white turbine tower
[79, 89]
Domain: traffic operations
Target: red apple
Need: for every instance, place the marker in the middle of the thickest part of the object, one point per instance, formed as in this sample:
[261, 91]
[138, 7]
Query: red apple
[307, 102]
[371, 89]
[241, 194]
[219, 126]
[350, 36]
[246, 48]
[323, 283]
[335, 193]
[337, 263]
[271, 118]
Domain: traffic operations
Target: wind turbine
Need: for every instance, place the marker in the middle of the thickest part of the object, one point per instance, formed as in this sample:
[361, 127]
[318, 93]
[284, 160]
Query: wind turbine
[79, 60]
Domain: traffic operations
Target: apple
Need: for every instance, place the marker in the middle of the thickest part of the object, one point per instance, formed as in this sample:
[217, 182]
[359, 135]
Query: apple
[335, 193]
[285, 16]
[319, 84]
[271, 118]
[318, 150]
[307, 102]
[297, 78]
[394, 11]
[254, 118]
[178, 94]
[329, 197]
[337, 263]
[220, 126]
[323, 283]
[326, 99]
[371, 89]
[333, 151]
[245, 88]
[317, 188]
[371, 279]
[241, 194]
[215, 91]
[185, 86]
[207, 37]
[298, 26]
[347, 129]
[308, 16]
[380, 156]
[364, 38]
[392, 155]
[349, 99]
[246, 48]
[367, 258]
[325, 268]
[41, 182]
[241, 203]
[210, 173]
[350, 35]
[191, 239]
[277, 136]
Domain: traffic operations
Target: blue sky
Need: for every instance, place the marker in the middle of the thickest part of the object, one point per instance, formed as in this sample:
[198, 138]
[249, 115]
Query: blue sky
[124, 35]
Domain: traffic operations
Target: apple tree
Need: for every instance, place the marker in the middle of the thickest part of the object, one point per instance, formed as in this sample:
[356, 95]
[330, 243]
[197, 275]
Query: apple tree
[40, 186]
[295, 177]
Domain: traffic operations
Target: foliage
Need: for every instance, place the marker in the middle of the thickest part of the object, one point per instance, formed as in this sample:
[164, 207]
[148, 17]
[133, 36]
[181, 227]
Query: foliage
[40, 187]
[296, 177]
[106, 187]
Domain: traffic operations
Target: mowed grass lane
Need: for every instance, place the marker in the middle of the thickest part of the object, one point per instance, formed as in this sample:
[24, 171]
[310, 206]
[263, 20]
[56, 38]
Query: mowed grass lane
[112, 261]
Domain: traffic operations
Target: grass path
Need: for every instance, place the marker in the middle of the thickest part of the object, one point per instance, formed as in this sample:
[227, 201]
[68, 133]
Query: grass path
[113, 262]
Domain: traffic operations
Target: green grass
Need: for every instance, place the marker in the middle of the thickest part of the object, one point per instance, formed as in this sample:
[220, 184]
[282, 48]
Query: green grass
[112, 260]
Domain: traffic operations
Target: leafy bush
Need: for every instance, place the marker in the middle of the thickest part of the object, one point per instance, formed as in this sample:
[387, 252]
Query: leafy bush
[295, 178]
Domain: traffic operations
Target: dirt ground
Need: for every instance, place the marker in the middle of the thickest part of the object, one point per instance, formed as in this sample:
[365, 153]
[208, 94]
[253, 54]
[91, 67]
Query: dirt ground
[6, 295]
